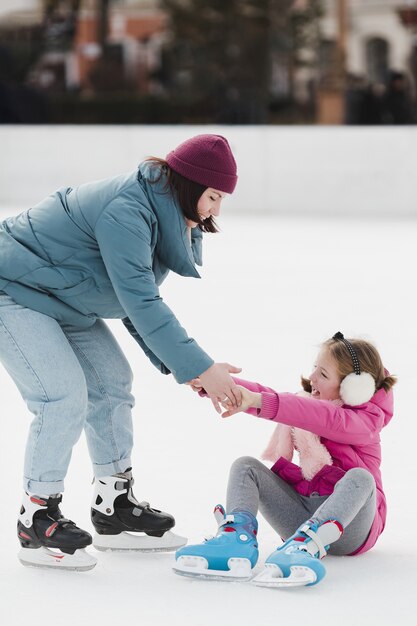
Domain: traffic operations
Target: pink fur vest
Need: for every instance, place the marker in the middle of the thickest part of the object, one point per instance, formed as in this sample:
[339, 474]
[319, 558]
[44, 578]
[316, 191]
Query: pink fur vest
[313, 455]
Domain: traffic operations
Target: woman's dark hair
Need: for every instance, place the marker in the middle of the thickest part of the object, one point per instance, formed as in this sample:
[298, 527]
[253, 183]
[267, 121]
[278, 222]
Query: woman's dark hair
[187, 193]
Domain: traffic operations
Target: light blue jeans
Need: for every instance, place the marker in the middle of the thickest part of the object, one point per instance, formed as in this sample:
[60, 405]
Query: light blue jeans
[71, 379]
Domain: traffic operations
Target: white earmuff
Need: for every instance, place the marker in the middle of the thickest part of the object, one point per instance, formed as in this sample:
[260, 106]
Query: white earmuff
[356, 389]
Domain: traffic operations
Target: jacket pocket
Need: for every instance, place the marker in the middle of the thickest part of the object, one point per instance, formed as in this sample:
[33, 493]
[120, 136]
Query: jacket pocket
[74, 290]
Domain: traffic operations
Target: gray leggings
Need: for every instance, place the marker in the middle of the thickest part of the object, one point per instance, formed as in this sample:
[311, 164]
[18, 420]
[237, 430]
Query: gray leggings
[253, 486]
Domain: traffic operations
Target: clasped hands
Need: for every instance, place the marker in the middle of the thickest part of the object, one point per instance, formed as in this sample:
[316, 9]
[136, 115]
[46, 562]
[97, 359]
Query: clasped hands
[217, 384]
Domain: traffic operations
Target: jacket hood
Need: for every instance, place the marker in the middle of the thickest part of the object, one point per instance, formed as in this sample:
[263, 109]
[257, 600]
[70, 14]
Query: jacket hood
[385, 401]
[173, 246]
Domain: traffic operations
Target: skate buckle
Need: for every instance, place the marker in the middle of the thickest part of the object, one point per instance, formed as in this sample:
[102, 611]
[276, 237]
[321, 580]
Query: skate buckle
[52, 528]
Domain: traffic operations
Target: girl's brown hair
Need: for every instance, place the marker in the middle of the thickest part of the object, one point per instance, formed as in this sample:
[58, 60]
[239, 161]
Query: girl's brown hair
[369, 359]
[187, 193]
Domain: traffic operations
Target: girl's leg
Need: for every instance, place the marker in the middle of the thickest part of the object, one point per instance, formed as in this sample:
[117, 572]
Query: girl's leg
[353, 504]
[253, 486]
[109, 379]
[350, 508]
[233, 554]
[38, 357]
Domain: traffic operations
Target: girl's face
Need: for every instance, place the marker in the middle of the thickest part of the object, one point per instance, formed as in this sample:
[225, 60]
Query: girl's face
[325, 378]
[208, 204]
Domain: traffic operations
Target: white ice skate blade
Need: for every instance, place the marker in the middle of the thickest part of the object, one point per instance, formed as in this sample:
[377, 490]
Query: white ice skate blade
[197, 566]
[139, 542]
[42, 557]
[272, 576]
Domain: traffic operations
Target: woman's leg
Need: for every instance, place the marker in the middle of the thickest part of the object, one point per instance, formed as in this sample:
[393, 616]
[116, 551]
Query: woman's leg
[109, 379]
[353, 504]
[115, 513]
[253, 486]
[38, 357]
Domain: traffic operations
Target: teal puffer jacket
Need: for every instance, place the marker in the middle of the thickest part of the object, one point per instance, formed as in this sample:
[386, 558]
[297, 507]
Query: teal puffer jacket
[102, 250]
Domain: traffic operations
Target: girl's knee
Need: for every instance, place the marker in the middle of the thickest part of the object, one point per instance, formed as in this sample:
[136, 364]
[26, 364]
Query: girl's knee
[244, 463]
[362, 478]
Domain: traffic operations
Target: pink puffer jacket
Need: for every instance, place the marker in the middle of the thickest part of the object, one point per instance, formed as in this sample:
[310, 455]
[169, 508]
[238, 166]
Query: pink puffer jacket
[350, 434]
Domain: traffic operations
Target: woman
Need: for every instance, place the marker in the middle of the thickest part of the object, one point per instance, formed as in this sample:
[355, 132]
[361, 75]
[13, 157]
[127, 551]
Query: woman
[101, 251]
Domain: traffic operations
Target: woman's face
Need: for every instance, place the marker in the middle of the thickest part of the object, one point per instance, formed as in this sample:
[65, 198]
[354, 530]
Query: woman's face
[325, 378]
[208, 204]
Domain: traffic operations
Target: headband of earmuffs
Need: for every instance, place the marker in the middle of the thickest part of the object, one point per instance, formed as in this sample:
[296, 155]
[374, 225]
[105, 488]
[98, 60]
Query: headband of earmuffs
[358, 387]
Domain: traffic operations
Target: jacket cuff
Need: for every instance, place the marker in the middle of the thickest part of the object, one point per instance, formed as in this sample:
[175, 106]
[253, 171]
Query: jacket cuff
[270, 405]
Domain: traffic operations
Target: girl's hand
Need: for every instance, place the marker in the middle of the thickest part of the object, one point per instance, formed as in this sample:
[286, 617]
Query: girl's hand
[219, 385]
[196, 385]
[250, 400]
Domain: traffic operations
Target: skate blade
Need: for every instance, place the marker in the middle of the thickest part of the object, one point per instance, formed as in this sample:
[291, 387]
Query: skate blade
[272, 576]
[197, 567]
[139, 542]
[46, 558]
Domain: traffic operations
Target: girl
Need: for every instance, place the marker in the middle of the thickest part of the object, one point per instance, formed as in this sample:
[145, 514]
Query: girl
[333, 501]
[101, 251]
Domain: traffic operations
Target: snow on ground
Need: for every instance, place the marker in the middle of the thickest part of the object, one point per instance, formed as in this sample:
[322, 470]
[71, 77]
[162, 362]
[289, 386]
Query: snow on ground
[272, 290]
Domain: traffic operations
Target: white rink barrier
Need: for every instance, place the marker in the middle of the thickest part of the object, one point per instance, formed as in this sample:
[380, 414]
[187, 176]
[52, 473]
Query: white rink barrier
[310, 170]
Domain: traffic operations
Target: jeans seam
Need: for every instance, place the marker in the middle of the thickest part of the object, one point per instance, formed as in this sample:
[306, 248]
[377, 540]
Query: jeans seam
[39, 384]
[102, 390]
[29, 367]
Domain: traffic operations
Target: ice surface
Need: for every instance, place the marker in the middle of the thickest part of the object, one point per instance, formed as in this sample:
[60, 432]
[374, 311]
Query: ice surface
[272, 290]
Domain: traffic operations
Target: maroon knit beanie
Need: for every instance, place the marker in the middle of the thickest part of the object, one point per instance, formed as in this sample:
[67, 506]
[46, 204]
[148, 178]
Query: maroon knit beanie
[205, 159]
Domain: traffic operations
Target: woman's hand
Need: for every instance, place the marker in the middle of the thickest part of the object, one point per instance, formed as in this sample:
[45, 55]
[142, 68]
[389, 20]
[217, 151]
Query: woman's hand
[250, 400]
[219, 385]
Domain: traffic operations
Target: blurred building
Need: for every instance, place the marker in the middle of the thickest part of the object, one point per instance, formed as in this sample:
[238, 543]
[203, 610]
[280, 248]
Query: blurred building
[128, 34]
[376, 38]
[365, 45]
[332, 61]
[133, 41]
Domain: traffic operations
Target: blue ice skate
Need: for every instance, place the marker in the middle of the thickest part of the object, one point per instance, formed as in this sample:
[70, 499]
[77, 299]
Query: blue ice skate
[230, 555]
[297, 562]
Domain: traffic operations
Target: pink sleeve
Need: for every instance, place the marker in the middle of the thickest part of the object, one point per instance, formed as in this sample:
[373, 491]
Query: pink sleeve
[265, 391]
[256, 387]
[344, 425]
[244, 383]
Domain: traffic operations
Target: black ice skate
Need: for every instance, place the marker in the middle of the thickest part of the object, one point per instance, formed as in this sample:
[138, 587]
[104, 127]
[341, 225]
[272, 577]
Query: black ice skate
[48, 539]
[123, 523]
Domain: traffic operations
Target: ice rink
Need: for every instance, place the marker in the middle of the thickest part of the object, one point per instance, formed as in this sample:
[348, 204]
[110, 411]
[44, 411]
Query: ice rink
[273, 288]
